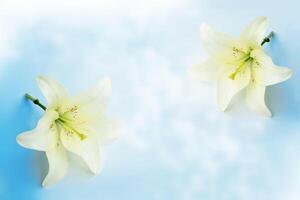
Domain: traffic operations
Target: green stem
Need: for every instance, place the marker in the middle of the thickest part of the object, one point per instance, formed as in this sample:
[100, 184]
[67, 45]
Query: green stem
[35, 101]
[267, 39]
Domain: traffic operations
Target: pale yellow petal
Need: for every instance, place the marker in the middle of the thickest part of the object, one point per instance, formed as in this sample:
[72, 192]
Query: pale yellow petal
[89, 104]
[106, 130]
[256, 100]
[228, 87]
[206, 71]
[53, 91]
[214, 42]
[266, 72]
[256, 31]
[43, 136]
[58, 164]
[84, 144]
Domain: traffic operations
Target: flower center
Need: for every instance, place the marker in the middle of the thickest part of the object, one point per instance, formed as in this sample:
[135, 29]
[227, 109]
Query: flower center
[66, 122]
[70, 131]
[242, 59]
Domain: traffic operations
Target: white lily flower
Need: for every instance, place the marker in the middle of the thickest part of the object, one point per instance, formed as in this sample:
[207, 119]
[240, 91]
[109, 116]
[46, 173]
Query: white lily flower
[74, 124]
[240, 63]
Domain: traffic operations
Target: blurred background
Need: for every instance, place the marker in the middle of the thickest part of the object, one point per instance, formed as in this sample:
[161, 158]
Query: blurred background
[174, 144]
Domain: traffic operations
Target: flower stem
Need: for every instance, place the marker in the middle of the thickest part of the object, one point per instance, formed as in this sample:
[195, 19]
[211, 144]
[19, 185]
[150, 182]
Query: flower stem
[35, 101]
[268, 38]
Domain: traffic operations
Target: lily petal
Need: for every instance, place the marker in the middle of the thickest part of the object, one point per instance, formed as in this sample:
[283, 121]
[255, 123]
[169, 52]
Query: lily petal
[206, 71]
[255, 31]
[256, 99]
[100, 92]
[90, 104]
[43, 136]
[53, 91]
[58, 164]
[215, 42]
[266, 72]
[106, 130]
[87, 148]
[227, 87]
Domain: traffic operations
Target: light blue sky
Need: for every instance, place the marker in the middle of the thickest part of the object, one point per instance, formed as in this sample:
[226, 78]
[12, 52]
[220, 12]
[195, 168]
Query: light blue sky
[174, 144]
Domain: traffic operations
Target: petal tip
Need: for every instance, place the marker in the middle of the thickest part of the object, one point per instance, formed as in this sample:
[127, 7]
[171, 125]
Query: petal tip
[204, 29]
[222, 105]
[262, 19]
[22, 140]
[40, 78]
[105, 85]
[95, 170]
[289, 73]
[265, 113]
[265, 17]
[46, 183]
[107, 81]
[222, 108]
[191, 71]
[19, 140]
[204, 26]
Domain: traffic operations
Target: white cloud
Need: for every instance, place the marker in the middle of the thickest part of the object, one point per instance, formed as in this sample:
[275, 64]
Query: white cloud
[135, 8]
[9, 38]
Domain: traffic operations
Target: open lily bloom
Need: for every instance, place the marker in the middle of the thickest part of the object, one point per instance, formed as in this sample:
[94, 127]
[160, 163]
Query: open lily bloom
[239, 63]
[74, 124]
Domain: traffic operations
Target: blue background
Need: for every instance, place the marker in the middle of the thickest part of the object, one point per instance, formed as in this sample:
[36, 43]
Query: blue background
[174, 143]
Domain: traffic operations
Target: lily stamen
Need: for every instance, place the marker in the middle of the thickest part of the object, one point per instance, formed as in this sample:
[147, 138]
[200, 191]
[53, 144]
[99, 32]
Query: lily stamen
[240, 67]
[70, 129]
